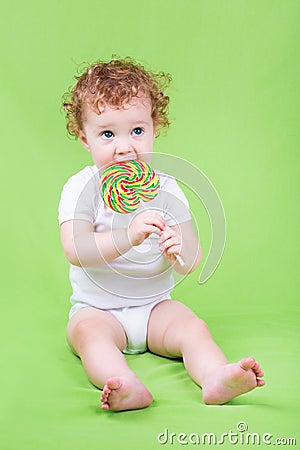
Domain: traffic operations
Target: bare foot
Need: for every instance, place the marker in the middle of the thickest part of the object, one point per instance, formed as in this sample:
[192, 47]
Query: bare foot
[121, 394]
[232, 380]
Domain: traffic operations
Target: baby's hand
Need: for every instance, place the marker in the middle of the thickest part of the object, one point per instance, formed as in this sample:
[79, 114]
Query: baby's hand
[170, 244]
[143, 225]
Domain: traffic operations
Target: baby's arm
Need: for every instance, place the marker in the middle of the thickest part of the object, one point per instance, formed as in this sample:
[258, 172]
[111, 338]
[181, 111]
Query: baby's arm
[181, 240]
[86, 248]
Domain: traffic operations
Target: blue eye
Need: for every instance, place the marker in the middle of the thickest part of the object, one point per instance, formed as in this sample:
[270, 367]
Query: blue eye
[107, 134]
[137, 131]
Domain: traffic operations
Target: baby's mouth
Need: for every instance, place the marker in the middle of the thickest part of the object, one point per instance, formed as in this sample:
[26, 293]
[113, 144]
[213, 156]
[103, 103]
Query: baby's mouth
[124, 158]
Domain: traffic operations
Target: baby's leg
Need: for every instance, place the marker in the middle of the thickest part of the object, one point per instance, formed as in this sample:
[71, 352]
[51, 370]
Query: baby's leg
[98, 338]
[175, 331]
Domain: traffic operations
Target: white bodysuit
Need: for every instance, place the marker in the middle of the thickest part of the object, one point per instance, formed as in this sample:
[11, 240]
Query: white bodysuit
[139, 277]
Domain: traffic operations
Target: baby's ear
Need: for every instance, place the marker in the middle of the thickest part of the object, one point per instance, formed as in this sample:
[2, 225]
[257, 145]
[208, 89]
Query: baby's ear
[83, 140]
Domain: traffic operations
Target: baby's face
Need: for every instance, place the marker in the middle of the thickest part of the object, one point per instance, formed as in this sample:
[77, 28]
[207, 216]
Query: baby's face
[119, 134]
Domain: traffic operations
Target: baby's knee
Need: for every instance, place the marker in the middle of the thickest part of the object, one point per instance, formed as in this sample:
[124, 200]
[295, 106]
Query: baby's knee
[77, 332]
[196, 327]
[191, 330]
[82, 328]
[198, 324]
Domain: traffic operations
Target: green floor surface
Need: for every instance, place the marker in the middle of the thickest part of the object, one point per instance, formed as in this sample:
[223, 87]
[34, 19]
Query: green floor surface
[235, 115]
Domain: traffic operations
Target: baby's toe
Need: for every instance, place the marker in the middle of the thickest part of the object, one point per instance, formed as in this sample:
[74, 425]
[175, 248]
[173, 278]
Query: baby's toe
[105, 393]
[105, 406]
[248, 363]
[257, 367]
[113, 383]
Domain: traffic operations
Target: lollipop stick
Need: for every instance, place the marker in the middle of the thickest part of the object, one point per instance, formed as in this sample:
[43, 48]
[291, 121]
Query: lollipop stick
[180, 260]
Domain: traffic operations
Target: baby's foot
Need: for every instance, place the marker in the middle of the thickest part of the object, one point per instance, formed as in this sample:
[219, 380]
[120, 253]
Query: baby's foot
[120, 394]
[231, 380]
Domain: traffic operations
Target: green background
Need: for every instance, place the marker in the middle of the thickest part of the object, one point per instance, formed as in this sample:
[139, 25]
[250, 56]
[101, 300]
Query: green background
[235, 115]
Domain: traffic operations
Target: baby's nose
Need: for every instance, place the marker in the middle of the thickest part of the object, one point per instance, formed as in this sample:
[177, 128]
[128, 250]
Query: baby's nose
[124, 147]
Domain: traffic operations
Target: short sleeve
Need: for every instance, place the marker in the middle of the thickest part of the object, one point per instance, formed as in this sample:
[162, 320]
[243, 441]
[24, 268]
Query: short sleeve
[175, 204]
[79, 197]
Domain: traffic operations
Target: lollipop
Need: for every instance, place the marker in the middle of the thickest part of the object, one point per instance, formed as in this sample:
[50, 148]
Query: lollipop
[125, 184]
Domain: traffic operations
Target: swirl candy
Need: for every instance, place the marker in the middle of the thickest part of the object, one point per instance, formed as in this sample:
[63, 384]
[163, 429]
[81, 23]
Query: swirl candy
[125, 184]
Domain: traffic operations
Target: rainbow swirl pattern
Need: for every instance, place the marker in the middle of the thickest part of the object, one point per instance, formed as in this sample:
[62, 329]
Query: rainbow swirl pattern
[125, 184]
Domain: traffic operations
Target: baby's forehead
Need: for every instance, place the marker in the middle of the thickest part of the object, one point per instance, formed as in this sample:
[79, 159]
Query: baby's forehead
[100, 106]
[139, 109]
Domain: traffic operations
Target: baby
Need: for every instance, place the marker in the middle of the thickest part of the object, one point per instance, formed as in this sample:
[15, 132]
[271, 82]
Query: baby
[121, 265]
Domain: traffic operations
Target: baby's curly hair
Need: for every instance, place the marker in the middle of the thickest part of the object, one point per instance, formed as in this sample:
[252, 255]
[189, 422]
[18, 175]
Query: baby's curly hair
[115, 84]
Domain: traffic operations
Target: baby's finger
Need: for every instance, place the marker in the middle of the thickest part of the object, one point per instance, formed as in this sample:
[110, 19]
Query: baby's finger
[152, 229]
[155, 219]
[169, 243]
[166, 234]
[174, 250]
